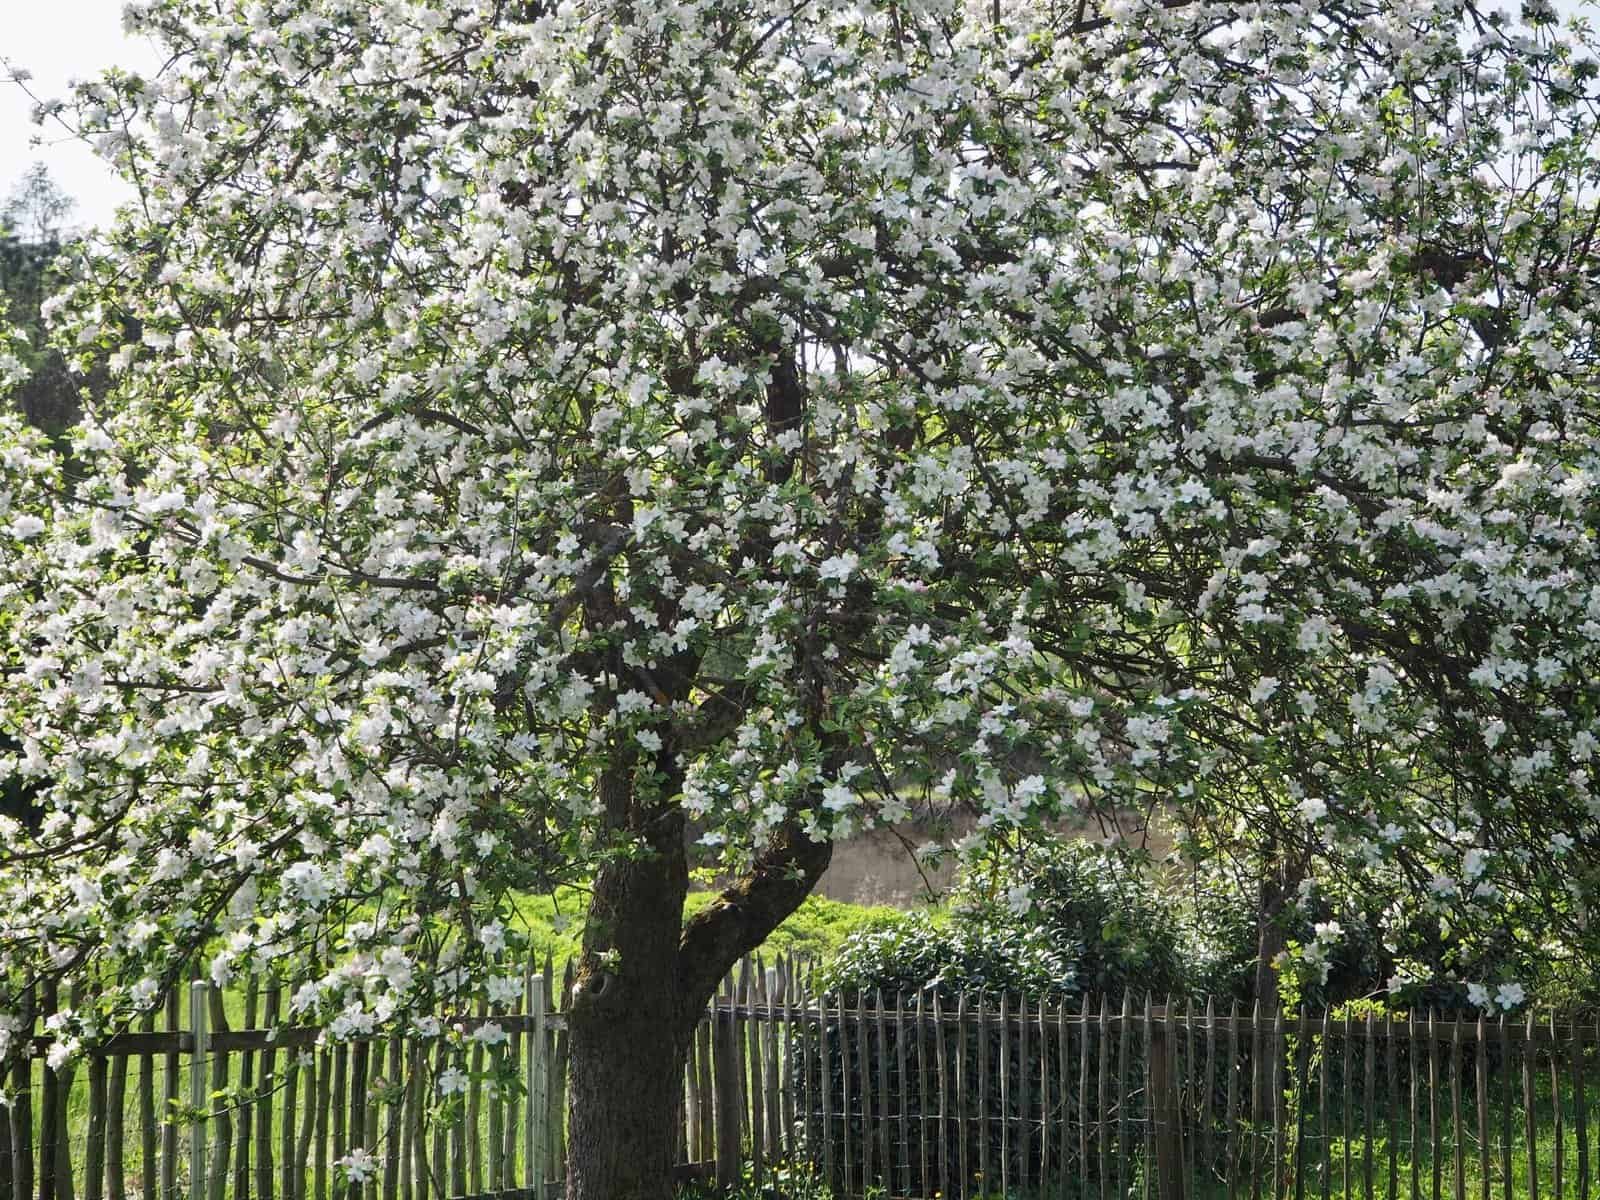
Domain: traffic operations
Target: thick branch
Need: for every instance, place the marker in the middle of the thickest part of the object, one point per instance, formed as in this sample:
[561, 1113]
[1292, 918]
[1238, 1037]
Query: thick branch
[741, 918]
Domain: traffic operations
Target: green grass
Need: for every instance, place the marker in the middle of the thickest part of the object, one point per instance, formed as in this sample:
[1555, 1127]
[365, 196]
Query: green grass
[554, 924]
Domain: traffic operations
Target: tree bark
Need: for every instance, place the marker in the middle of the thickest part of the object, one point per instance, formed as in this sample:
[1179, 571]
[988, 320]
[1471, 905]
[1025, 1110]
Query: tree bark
[628, 1020]
[626, 1086]
[642, 983]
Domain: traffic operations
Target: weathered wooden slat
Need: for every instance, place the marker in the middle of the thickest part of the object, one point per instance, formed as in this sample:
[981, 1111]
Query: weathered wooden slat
[1123, 1049]
[460, 1165]
[726, 1084]
[1416, 1127]
[1434, 1136]
[846, 1093]
[1295, 1180]
[7, 1166]
[1507, 1090]
[116, 1130]
[691, 1083]
[1162, 1108]
[558, 1082]
[1191, 1108]
[148, 1127]
[1104, 1115]
[1558, 1121]
[21, 1108]
[322, 1132]
[439, 1139]
[924, 1175]
[1085, 1043]
[290, 1168]
[415, 1178]
[1020, 1139]
[247, 1078]
[1155, 1076]
[1457, 1143]
[49, 1108]
[495, 1151]
[755, 1079]
[1260, 1110]
[1580, 1110]
[901, 1067]
[1207, 1096]
[965, 1087]
[863, 1058]
[947, 1183]
[366, 1070]
[511, 1133]
[554, 1098]
[265, 1094]
[220, 1134]
[771, 1048]
[1326, 1156]
[394, 1091]
[1230, 1132]
[300, 1170]
[1276, 1085]
[708, 1098]
[94, 1156]
[788, 991]
[471, 1131]
[344, 1129]
[1064, 1085]
[1394, 1106]
[1369, 1097]
[533, 1003]
[739, 983]
[1044, 1097]
[1005, 1099]
[1345, 1099]
[1530, 1120]
[884, 1121]
[197, 1090]
[1481, 1080]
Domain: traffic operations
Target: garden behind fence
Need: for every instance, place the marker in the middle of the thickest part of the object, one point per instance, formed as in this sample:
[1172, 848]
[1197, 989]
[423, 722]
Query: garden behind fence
[895, 1095]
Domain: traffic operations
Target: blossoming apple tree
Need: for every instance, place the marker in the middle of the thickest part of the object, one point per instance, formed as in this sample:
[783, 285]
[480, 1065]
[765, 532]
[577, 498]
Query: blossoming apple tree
[588, 440]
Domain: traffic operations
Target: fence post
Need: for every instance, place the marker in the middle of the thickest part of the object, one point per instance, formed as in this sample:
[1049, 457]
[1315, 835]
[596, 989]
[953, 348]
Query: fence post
[198, 1100]
[1164, 1107]
[726, 1067]
[538, 1110]
[21, 1111]
[19, 1048]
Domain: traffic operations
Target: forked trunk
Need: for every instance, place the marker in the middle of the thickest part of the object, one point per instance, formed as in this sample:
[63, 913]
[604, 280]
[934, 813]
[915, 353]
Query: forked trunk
[643, 982]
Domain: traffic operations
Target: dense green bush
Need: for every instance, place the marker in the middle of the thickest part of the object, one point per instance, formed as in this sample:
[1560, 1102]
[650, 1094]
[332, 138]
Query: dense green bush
[1085, 925]
[917, 952]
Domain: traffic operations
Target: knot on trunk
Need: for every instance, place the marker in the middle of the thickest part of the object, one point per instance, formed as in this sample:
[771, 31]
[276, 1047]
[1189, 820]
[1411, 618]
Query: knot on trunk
[591, 992]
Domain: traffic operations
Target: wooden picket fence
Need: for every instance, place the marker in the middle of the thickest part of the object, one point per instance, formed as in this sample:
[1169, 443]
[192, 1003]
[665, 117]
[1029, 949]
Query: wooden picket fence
[913, 1096]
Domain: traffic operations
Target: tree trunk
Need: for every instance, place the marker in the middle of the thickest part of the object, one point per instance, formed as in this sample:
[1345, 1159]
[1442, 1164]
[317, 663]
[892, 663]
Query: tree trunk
[645, 977]
[1271, 940]
[629, 1020]
[627, 1083]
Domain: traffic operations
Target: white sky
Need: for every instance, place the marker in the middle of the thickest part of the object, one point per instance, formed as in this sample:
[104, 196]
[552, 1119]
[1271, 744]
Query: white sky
[66, 39]
[58, 41]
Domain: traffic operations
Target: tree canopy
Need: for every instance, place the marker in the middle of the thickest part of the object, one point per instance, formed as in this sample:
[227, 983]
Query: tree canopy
[545, 435]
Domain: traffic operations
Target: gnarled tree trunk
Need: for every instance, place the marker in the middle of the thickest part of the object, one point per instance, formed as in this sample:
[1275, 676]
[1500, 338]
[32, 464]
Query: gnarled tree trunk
[643, 982]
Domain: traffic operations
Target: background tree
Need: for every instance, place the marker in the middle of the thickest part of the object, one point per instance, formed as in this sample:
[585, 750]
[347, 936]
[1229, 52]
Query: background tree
[33, 233]
[580, 441]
